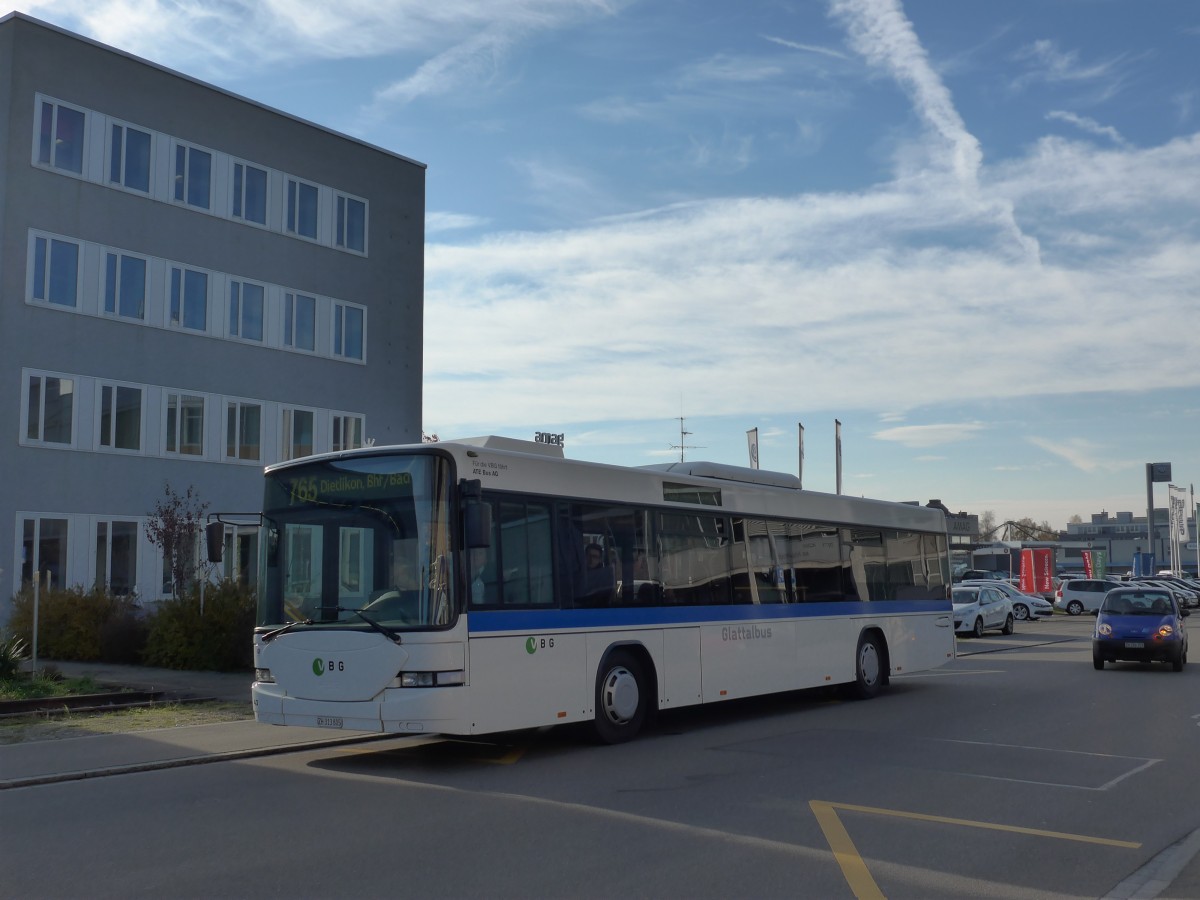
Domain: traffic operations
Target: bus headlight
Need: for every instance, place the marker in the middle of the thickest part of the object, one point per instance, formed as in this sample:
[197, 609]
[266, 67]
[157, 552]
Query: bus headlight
[264, 676]
[429, 679]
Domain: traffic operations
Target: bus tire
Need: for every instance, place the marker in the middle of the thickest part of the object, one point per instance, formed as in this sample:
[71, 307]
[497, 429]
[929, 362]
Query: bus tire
[622, 698]
[870, 666]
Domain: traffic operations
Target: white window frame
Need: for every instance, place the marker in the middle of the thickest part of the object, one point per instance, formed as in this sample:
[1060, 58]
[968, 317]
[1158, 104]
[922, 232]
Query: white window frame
[338, 331]
[73, 424]
[108, 525]
[181, 181]
[291, 208]
[338, 427]
[179, 292]
[287, 445]
[288, 327]
[239, 408]
[47, 269]
[235, 322]
[40, 102]
[341, 223]
[118, 279]
[121, 158]
[36, 562]
[238, 197]
[179, 431]
[111, 447]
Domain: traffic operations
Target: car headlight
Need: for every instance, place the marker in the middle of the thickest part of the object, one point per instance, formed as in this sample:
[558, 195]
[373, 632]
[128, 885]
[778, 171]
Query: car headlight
[1104, 628]
[1165, 631]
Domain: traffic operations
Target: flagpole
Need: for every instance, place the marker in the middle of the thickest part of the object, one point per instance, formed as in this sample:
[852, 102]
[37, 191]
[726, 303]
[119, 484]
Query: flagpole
[838, 451]
[800, 470]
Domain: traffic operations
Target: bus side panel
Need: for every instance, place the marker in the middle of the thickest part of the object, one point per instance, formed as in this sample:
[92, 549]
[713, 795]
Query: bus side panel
[825, 650]
[526, 680]
[748, 658]
[679, 678]
[919, 642]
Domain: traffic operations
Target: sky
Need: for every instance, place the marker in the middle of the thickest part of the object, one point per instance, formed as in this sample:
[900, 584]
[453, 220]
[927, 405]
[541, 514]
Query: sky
[967, 230]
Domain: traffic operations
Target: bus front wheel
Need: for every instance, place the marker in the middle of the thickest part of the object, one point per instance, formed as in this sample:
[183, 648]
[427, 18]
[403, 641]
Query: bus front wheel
[622, 698]
[870, 666]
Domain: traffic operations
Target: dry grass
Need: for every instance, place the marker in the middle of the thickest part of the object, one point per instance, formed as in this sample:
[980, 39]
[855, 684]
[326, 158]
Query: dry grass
[42, 727]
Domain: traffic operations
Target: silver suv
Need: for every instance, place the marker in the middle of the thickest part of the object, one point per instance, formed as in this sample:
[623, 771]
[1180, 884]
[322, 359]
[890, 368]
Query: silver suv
[1080, 595]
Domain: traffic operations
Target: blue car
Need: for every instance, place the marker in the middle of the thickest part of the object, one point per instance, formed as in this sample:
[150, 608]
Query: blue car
[1140, 623]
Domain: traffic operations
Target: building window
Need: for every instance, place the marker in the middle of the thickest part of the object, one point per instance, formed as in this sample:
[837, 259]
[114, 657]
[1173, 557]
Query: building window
[55, 271]
[189, 299]
[193, 176]
[44, 552]
[297, 433]
[129, 158]
[50, 409]
[116, 556]
[60, 137]
[125, 285]
[299, 321]
[249, 193]
[351, 223]
[246, 310]
[120, 417]
[348, 330]
[243, 429]
[185, 424]
[302, 208]
[347, 432]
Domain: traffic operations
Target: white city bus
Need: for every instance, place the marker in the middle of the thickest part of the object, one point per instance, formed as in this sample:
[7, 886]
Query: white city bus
[490, 584]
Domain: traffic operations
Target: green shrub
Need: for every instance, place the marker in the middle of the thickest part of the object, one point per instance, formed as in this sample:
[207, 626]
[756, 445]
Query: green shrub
[13, 652]
[179, 637]
[73, 624]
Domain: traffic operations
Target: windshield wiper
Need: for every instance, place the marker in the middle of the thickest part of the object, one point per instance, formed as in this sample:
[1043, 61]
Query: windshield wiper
[271, 635]
[391, 634]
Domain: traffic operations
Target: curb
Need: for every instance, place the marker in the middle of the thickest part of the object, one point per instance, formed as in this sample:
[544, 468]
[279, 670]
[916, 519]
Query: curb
[225, 756]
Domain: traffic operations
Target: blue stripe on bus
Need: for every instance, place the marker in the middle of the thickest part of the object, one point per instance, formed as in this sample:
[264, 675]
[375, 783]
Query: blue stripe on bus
[547, 619]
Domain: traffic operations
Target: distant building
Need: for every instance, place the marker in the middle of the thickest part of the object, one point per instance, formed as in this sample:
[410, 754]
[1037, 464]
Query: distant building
[1121, 535]
[192, 286]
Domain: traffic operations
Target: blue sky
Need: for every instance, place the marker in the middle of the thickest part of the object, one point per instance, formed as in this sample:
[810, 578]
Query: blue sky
[969, 230]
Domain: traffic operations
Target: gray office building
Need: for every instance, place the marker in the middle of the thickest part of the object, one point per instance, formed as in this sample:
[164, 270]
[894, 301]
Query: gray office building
[192, 286]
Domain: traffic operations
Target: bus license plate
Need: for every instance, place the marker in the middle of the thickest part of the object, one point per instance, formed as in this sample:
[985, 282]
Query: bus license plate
[1135, 645]
[329, 721]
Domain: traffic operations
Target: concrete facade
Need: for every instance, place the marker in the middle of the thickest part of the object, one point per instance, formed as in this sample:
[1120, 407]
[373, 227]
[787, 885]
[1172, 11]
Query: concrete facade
[192, 286]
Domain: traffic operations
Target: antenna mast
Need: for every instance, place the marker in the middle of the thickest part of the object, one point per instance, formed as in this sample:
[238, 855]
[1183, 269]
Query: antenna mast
[683, 444]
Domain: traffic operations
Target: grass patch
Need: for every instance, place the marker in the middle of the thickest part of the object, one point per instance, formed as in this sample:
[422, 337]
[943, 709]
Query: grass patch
[43, 727]
[34, 686]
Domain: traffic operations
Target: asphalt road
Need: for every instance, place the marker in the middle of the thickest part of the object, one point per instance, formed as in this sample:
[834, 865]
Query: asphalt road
[1016, 771]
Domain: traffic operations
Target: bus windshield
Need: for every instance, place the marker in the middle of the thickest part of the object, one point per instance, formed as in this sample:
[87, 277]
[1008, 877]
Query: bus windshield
[358, 540]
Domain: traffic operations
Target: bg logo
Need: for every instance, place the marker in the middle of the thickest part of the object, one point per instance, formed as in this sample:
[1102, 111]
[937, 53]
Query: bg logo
[318, 667]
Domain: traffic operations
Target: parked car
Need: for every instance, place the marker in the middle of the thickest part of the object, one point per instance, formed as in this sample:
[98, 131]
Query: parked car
[1140, 623]
[977, 608]
[1080, 595]
[1024, 606]
[983, 575]
[1181, 585]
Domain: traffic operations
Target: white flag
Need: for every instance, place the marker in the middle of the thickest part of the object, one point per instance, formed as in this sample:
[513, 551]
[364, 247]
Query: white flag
[752, 442]
[1177, 498]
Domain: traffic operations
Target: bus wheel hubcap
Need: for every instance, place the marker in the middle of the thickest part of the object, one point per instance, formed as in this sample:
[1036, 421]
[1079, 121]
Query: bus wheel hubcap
[620, 695]
[868, 662]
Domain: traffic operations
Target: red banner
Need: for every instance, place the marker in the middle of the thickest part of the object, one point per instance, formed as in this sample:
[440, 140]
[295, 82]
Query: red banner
[1037, 571]
[1087, 563]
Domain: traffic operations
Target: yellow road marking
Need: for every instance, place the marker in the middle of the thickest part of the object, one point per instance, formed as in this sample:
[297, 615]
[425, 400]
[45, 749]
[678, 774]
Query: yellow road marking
[844, 851]
[855, 870]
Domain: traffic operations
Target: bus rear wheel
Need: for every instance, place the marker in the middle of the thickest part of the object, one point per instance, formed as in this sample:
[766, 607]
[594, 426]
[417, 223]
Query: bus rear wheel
[622, 698]
[870, 661]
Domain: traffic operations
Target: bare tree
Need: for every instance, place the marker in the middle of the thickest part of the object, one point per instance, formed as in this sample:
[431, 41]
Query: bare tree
[987, 525]
[174, 527]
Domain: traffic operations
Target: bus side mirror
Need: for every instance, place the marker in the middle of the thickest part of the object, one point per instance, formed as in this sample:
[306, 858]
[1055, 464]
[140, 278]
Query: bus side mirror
[214, 538]
[478, 524]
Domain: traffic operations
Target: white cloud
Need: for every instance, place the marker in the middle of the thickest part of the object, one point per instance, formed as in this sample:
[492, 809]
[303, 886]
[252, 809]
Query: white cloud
[807, 48]
[438, 222]
[1083, 454]
[1085, 124]
[930, 435]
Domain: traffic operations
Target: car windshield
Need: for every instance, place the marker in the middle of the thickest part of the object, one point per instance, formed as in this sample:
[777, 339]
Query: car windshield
[964, 595]
[1139, 603]
[358, 540]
